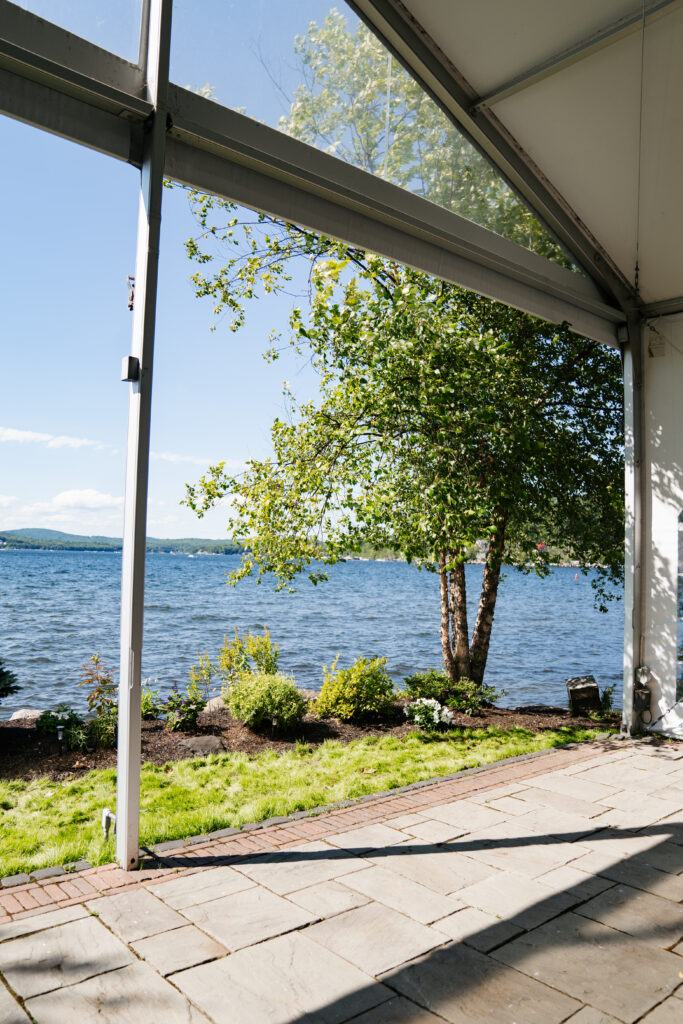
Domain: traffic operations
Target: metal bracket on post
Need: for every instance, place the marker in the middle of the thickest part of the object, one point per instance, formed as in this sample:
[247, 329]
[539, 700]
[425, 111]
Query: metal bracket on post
[137, 368]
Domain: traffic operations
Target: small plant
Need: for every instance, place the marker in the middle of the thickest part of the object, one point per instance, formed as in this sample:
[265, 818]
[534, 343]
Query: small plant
[430, 685]
[427, 713]
[102, 695]
[469, 698]
[259, 699]
[102, 702]
[182, 709]
[150, 701]
[361, 691]
[245, 653]
[8, 682]
[607, 700]
[72, 725]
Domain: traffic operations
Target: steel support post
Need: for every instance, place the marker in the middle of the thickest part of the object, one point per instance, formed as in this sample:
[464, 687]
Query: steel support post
[137, 460]
[636, 538]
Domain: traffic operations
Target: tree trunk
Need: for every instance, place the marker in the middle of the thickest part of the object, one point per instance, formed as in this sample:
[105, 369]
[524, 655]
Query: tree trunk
[459, 625]
[446, 649]
[481, 637]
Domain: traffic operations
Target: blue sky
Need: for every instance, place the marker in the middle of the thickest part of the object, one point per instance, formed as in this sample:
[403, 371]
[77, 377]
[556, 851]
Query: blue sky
[68, 227]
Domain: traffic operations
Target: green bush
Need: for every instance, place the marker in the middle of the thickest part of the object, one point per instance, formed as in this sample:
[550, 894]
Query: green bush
[75, 730]
[361, 691]
[469, 698]
[151, 703]
[429, 685]
[182, 709]
[103, 729]
[245, 653]
[265, 698]
[8, 682]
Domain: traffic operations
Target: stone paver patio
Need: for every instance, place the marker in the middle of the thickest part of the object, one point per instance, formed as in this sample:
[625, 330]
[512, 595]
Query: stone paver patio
[545, 890]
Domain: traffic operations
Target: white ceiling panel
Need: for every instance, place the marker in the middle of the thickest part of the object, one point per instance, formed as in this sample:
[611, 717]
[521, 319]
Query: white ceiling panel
[581, 126]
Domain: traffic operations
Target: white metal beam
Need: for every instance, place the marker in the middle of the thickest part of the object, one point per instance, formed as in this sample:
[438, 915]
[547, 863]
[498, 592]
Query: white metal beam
[71, 87]
[137, 460]
[234, 156]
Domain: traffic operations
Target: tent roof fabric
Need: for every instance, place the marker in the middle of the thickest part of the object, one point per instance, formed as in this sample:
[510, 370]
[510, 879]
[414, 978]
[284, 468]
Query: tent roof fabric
[592, 94]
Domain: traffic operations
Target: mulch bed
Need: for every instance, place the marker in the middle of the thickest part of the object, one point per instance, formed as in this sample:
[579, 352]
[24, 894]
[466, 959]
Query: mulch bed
[25, 754]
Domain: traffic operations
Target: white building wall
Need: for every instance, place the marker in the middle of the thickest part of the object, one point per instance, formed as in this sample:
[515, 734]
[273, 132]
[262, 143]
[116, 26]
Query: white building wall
[663, 468]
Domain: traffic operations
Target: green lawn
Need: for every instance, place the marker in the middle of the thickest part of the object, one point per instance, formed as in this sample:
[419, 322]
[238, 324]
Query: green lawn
[44, 823]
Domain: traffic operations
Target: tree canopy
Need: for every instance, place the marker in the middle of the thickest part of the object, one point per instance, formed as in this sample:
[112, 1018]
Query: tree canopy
[443, 417]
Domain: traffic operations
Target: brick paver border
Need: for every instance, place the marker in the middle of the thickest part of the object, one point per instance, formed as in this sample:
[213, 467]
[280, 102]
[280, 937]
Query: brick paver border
[50, 888]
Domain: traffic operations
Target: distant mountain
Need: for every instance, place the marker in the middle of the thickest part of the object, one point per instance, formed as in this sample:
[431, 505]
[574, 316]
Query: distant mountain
[56, 540]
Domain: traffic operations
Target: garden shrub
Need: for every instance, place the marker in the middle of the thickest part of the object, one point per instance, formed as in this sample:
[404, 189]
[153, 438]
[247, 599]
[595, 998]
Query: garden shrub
[266, 698]
[363, 690]
[245, 653]
[8, 682]
[469, 698]
[430, 685]
[75, 730]
[151, 703]
[182, 709]
[427, 713]
[102, 702]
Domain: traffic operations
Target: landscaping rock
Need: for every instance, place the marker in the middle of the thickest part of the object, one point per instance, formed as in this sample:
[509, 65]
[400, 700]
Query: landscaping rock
[215, 704]
[25, 715]
[584, 695]
[201, 745]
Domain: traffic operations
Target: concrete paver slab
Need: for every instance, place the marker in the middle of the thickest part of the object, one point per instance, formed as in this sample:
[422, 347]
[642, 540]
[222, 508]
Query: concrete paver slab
[285, 980]
[576, 883]
[548, 821]
[10, 1011]
[478, 929]
[135, 915]
[406, 820]
[177, 950]
[440, 868]
[512, 846]
[509, 805]
[668, 1012]
[128, 996]
[532, 796]
[462, 985]
[327, 898]
[523, 901]
[370, 837]
[65, 955]
[401, 894]
[651, 919]
[188, 890]
[375, 938]
[301, 866]
[579, 786]
[398, 1011]
[246, 917]
[596, 964]
[633, 872]
[469, 815]
[26, 925]
[589, 1015]
[432, 831]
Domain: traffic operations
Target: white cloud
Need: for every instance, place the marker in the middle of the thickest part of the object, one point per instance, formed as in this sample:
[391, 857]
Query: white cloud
[14, 434]
[51, 440]
[6, 500]
[86, 498]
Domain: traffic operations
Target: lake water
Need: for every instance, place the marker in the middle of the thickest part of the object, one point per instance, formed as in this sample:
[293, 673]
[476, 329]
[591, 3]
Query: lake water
[59, 607]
